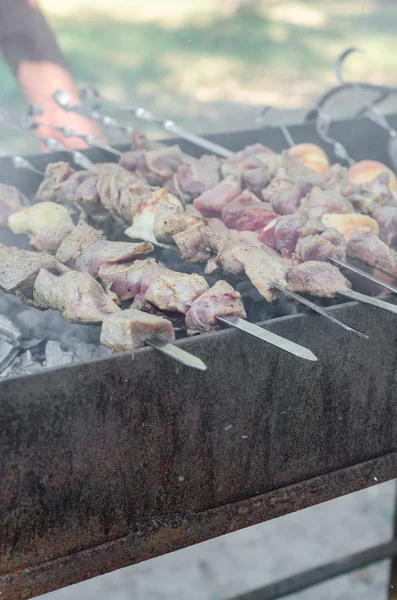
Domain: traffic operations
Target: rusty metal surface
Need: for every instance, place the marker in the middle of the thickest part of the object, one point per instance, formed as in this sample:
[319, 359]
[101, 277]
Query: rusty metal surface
[117, 460]
[161, 537]
[94, 452]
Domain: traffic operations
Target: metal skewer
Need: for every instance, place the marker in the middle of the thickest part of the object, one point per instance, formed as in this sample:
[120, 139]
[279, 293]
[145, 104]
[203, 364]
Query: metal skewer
[315, 307]
[345, 265]
[63, 99]
[268, 336]
[352, 295]
[176, 353]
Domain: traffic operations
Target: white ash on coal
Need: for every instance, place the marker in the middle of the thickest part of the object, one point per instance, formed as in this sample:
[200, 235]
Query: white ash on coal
[32, 340]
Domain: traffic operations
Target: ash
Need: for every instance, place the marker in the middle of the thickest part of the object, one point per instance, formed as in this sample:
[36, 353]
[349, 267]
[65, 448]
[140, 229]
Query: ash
[31, 340]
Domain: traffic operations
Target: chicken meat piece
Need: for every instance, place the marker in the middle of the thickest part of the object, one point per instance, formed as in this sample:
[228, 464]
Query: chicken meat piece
[11, 201]
[211, 202]
[316, 278]
[77, 296]
[220, 300]
[247, 212]
[73, 245]
[55, 175]
[129, 329]
[31, 221]
[104, 252]
[19, 269]
[370, 249]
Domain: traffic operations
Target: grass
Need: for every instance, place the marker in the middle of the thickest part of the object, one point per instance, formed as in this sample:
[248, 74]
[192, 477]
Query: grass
[181, 57]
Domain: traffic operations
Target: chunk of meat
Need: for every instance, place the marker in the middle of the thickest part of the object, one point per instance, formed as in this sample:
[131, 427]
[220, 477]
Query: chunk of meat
[170, 218]
[221, 299]
[68, 188]
[102, 252]
[129, 329]
[11, 201]
[197, 176]
[235, 163]
[284, 195]
[336, 177]
[144, 222]
[31, 221]
[317, 242]
[173, 291]
[386, 217]
[211, 202]
[73, 245]
[366, 197]
[77, 296]
[124, 280]
[164, 162]
[316, 278]
[247, 212]
[371, 250]
[282, 234]
[199, 241]
[55, 175]
[50, 237]
[19, 269]
[319, 202]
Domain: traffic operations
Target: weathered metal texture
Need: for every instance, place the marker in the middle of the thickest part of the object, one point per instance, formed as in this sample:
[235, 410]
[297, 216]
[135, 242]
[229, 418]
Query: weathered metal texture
[161, 537]
[114, 461]
[94, 452]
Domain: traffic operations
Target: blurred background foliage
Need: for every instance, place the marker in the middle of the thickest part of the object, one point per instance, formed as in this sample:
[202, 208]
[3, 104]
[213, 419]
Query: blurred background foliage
[208, 61]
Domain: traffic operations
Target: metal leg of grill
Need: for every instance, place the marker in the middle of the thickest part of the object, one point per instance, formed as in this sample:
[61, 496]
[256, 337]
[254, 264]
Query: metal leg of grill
[318, 575]
[393, 564]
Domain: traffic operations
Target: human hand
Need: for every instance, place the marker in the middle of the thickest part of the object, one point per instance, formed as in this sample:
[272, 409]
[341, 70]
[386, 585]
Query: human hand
[55, 116]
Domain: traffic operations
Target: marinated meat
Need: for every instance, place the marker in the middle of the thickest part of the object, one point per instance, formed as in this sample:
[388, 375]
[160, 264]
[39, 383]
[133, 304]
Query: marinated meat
[282, 234]
[102, 252]
[317, 242]
[221, 299]
[336, 177]
[319, 202]
[367, 197]
[50, 237]
[11, 201]
[170, 218]
[386, 217]
[129, 329]
[55, 175]
[77, 296]
[68, 188]
[123, 279]
[19, 269]
[246, 212]
[197, 176]
[371, 250]
[211, 202]
[317, 278]
[284, 195]
[73, 245]
[173, 291]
